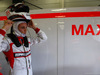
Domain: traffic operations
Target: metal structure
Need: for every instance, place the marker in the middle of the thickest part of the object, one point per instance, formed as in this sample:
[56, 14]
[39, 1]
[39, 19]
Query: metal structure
[51, 4]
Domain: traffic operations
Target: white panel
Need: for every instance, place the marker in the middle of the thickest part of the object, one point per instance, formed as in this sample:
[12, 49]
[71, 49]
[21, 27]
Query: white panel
[81, 55]
[44, 55]
[61, 46]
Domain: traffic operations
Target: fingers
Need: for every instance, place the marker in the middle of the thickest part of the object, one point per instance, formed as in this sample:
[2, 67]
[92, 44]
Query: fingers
[30, 22]
[9, 22]
[31, 25]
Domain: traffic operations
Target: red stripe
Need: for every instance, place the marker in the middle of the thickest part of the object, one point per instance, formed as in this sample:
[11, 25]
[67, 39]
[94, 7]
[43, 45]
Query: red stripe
[37, 30]
[10, 56]
[61, 15]
[66, 15]
[22, 52]
[2, 32]
[3, 18]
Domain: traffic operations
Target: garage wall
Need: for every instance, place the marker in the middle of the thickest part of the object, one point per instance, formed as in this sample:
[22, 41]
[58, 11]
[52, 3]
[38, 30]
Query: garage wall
[64, 53]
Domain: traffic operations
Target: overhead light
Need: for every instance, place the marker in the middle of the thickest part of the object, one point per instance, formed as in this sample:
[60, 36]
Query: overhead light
[98, 29]
[59, 10]
[61, 22]
[35, 23]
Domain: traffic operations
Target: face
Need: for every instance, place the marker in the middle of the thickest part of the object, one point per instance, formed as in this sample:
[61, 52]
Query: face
[22, 28]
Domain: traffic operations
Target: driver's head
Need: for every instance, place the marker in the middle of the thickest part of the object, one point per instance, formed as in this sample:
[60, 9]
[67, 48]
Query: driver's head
[20, 28]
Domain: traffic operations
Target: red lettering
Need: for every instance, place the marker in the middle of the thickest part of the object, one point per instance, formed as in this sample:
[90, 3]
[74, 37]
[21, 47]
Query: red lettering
[89, 30]
[77, 31]
[99, 29]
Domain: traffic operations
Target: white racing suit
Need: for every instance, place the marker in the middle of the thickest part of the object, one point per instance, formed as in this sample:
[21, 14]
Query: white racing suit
[19, 57]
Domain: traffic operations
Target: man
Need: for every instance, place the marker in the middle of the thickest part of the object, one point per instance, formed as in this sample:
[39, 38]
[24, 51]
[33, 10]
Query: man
[16, 46]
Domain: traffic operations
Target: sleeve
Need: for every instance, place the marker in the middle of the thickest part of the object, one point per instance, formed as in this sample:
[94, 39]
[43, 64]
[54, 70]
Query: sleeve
[1, 74]
[3, 43]
[41, 37]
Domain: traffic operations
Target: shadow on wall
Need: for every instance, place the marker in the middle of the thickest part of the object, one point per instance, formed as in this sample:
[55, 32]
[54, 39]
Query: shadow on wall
[52, 71]
[5, 67]
[68, 70]
[82, 70]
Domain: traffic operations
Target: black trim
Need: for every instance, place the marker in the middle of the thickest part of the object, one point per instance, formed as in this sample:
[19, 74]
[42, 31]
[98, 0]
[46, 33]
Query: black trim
[15, 16]
[22, 8]
[26, 20]
[26, 44]
[25, 54]
[15, 40]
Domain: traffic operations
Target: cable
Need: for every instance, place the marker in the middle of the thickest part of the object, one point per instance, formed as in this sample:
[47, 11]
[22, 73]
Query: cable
[33, 5]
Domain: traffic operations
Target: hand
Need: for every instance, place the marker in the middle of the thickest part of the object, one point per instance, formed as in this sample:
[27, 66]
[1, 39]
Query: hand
[31, 25]
[7, 24]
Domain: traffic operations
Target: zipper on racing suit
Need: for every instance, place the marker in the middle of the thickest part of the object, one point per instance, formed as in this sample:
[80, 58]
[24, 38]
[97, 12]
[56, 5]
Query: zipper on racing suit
[26, 61]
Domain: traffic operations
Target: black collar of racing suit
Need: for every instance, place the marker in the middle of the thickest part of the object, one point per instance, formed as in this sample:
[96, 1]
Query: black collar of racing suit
[15, 40]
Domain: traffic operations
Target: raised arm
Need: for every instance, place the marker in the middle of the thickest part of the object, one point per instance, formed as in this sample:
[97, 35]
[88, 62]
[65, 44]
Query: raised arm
[4, 43]
[41, 36]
